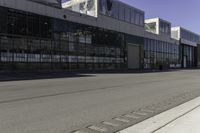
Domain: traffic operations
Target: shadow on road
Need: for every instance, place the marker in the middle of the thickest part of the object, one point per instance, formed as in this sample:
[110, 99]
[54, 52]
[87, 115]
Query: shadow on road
[18, 76]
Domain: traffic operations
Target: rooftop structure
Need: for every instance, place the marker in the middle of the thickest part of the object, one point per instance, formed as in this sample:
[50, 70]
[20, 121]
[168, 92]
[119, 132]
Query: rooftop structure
[121, 11]
[88, 34]
[186, 36]
[88, 7]
[110, 8]
[158, 26]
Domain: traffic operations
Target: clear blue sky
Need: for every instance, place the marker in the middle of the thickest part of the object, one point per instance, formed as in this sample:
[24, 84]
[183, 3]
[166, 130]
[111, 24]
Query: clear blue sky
[185, 13]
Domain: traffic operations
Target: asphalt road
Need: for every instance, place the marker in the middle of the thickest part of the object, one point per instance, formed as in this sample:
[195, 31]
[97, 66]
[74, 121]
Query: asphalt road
[65, 104]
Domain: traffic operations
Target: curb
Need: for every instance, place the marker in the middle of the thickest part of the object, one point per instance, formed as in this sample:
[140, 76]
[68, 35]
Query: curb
[159, 121]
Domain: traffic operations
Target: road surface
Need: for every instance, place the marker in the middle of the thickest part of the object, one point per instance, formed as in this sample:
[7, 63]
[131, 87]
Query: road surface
[62, 105]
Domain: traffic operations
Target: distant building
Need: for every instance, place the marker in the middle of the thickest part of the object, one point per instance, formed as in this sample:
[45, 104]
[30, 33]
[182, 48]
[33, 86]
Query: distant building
[86, 35]
[188, 46]
[160, 50]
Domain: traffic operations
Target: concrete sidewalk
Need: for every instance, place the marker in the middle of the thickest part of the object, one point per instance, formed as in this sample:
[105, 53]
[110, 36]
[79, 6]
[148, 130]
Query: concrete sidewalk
[189, 123]
[184, 118]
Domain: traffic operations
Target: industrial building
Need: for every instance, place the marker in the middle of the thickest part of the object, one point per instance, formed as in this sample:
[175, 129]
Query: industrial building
[88, 35]
[188, 46]
[160, 50]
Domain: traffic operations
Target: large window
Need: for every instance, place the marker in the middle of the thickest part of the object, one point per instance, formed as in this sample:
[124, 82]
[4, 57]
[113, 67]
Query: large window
[132, 16]
[121, 11]
[127, 14]
[157, 53]
[189, 36]
[141, 19]
[3, 20]
[22, 23]
[52, 42]
[165, 28]
[137, 18]
[109, 8]
[16, 22]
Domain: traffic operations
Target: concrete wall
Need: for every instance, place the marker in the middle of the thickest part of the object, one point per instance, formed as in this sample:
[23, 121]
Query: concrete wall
[175, 33]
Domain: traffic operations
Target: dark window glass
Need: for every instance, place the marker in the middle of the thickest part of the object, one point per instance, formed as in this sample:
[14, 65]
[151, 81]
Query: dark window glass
[33, 25]
[137, 18]
[45, 27]
[121, 12]
[114, 12]
[132, 16]
[16, 22]
[3, 20]
[141, 19]
[103, 6]
[127, 14]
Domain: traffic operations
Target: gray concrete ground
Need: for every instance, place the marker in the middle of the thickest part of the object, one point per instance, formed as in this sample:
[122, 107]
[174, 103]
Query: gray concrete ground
[65, 104]
[189, 123]
[184, 118]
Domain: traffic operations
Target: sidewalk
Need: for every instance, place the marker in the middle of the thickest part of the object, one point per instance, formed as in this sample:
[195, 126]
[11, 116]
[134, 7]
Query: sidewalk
[184, 118]
[189, 123]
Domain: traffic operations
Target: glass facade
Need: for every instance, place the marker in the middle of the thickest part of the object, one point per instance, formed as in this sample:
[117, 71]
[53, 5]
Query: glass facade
[187, 54]
[165, 28]
[189, 36]
[160, 54]
[54, 3]
[30, 41]
[121, 11]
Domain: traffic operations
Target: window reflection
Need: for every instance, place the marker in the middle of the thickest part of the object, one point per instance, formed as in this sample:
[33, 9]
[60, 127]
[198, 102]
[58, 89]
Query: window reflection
[121, 11]
[45, 42]
[158, 53]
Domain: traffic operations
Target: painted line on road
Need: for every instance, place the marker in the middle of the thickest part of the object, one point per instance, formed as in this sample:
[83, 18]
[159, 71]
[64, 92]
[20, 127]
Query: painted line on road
[121, 120]
[79, 132]
[140, 113]
[98, 129]
[147, 110]
[131, 116]
[110, 124]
